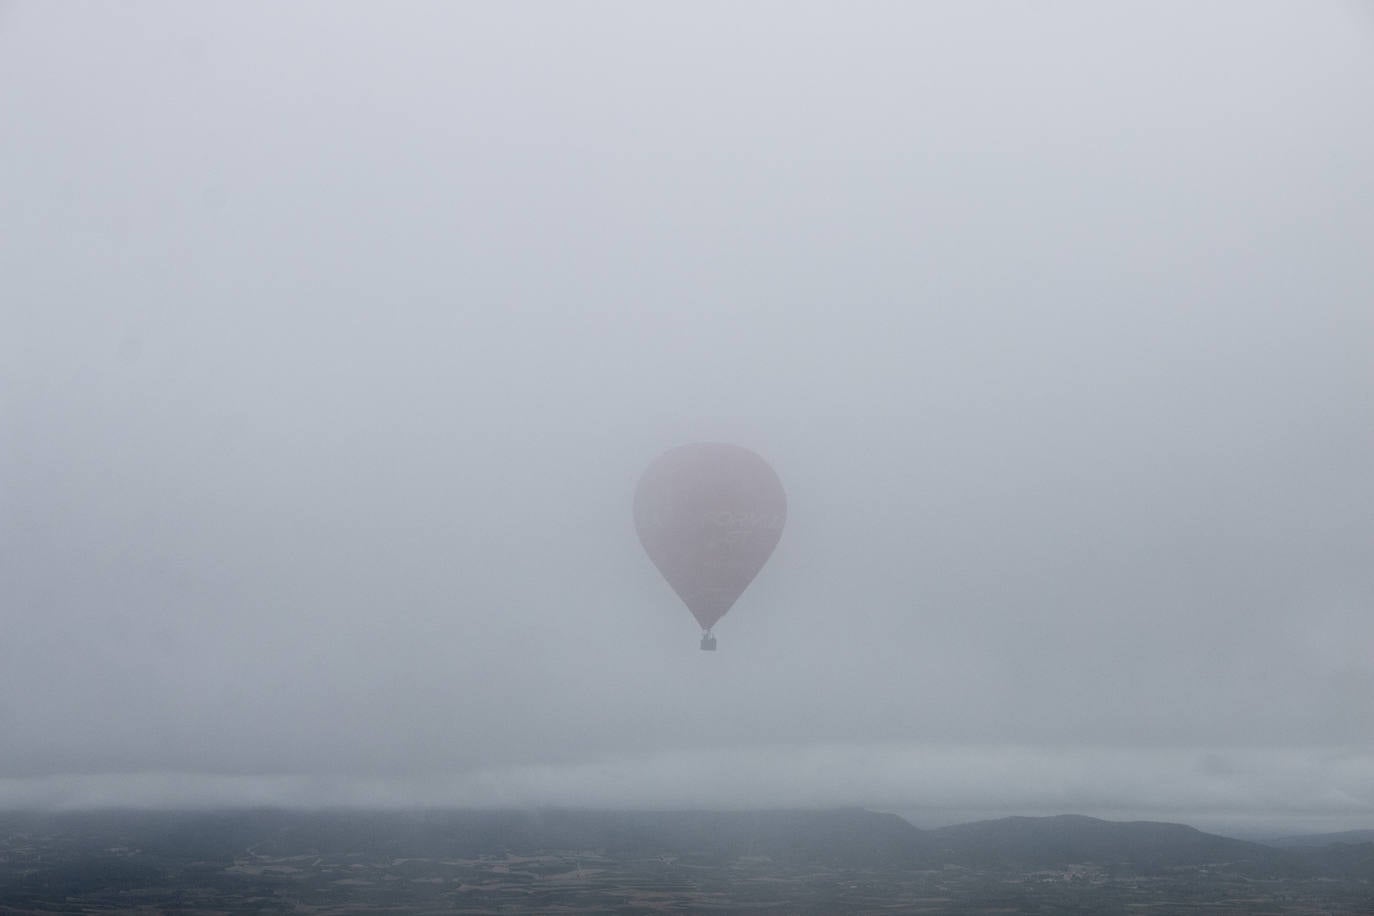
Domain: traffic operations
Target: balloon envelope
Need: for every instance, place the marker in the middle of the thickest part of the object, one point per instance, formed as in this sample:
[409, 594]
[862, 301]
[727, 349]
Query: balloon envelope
[709, 516]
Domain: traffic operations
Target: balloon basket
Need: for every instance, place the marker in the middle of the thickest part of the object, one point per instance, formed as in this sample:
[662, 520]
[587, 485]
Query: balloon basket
[708, 642]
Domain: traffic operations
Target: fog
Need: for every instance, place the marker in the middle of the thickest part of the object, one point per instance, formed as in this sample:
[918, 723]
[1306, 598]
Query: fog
[335, 337]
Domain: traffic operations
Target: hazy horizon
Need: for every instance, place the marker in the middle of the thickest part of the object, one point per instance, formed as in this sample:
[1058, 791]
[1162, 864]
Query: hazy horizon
[334, 339]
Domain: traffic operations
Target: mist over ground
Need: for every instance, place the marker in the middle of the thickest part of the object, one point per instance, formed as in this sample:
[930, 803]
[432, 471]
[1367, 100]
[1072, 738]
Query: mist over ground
[335, 337]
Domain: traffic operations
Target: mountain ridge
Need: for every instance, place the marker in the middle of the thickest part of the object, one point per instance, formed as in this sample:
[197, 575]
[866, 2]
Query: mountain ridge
[1350, 837]
[850, 837]
[1069, 838]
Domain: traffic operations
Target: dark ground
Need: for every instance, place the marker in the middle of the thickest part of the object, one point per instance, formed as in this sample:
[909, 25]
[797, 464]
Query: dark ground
[848, 861]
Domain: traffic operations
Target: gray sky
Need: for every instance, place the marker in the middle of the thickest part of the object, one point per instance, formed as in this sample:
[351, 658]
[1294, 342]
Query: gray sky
[334, 338]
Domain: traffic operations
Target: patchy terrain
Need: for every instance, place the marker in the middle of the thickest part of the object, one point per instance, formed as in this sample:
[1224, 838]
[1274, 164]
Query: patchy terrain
[848, 861]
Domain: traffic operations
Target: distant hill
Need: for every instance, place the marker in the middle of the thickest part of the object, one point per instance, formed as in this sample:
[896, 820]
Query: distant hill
[1321, 839]
[843, 838]
[1042, 842]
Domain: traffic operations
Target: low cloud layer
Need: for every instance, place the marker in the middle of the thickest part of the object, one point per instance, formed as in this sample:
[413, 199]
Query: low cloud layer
[1238, 791]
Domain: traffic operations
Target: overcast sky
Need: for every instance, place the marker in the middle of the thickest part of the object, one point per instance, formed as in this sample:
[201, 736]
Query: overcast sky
[334, 339]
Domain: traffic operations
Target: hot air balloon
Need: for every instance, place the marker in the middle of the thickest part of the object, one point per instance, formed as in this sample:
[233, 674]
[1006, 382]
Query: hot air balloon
[709, 516]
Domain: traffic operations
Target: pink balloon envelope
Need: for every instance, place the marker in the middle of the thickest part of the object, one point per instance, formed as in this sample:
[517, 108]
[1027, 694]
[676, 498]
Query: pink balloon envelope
[709, 516]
